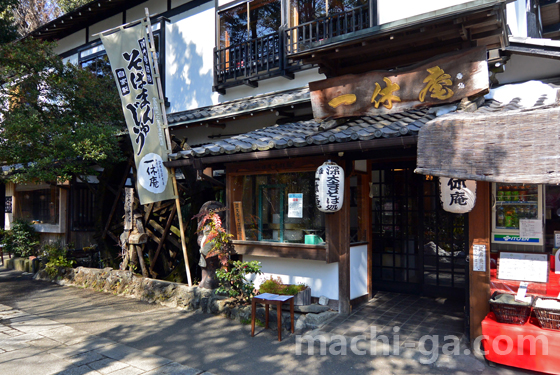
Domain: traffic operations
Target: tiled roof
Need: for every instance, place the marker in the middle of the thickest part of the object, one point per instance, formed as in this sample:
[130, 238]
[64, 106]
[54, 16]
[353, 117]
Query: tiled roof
[299, 134]
[241, 106]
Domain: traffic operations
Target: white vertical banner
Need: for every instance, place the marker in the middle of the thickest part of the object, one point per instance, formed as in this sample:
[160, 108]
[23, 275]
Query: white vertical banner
[132, 66]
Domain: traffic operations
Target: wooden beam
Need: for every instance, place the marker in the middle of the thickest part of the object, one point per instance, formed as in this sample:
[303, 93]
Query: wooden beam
[140, 251]
[401, 42]
[406, 58]
[180, 217]
[480, 222]
[343, 244]
[117, 198]
[287, 153]
[163, 237]
[366, 215]
[281, 250]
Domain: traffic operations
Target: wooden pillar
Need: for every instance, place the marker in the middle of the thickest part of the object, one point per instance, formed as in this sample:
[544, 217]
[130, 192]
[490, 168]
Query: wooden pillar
[338, 244]
[479, 282]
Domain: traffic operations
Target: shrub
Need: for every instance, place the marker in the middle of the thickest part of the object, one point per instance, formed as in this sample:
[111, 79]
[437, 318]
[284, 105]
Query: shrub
[21, 240]
[233, 280]
[56, 255]
[271, 285]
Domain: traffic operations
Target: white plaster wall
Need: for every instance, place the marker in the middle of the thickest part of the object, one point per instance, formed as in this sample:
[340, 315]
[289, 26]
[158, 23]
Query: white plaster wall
[523, 68]
[516, 16]
[176, 3]
[71, 59]
[9, 218]
[224, 2]
[189, 50]
[358, 271]
[393, 10]
[138, 12]
[71, 41]
[199, 135]
[106, 24]
[320, 276]
[302, 79]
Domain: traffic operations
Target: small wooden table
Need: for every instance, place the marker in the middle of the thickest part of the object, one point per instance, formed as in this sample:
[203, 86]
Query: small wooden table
[275, 299]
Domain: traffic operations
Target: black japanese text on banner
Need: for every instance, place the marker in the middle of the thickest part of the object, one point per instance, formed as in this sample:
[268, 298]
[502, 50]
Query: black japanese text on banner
[132, 66]
[457, 195]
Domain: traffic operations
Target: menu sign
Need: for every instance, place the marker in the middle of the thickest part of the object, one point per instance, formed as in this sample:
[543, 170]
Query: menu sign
[523, 267]
[530, 228]
[295, 205]
[479, 258]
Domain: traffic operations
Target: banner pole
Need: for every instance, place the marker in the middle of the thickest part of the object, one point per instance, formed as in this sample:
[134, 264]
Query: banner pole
[168, 138]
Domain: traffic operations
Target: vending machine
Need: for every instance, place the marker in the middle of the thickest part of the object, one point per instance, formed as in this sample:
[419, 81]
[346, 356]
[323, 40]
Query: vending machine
[517, 214]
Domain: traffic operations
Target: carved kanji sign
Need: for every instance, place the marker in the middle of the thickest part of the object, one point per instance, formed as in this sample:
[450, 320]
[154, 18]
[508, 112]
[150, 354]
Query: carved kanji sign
[437, 81]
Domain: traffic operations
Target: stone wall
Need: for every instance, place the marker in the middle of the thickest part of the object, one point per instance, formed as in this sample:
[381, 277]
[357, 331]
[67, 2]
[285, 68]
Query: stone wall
[126, 283]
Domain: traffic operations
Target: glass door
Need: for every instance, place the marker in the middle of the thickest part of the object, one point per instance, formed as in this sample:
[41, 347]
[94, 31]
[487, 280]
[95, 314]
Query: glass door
[395, 229]
[417, 247]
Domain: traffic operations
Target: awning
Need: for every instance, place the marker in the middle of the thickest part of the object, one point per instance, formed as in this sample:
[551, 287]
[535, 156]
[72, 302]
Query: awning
[306, 138]
[504, 143]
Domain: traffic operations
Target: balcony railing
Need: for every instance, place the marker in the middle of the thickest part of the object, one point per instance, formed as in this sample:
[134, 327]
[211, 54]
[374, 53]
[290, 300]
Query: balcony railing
[301, 37]
[269, 56]
[248, 61]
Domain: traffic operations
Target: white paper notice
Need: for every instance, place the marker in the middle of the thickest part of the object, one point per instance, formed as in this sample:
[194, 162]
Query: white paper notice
[523, 267]
[295, 205]
[520, 296]
[556, 239]
[479, 258]
[530, 228]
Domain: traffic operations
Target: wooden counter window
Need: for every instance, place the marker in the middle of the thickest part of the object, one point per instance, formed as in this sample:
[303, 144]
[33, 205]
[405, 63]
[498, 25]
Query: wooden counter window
[281, 250]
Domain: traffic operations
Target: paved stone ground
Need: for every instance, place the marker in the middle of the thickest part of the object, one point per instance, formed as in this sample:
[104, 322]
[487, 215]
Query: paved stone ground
[49, 329]
[31, 344]
[415, 317]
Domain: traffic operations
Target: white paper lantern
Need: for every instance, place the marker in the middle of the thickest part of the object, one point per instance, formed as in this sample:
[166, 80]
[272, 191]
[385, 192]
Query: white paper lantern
[457, 195]
[329, 187]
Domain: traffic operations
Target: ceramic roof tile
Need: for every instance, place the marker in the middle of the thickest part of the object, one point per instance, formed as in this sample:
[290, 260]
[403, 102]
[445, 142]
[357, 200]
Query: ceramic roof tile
[232, 108]
[307, 133]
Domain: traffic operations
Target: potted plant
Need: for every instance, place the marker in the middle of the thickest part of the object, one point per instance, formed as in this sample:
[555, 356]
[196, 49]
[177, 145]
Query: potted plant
[300, 291]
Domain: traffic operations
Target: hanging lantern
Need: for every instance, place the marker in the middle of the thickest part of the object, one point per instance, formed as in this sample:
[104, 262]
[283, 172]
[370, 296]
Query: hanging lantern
[329, 187]
[457, 195]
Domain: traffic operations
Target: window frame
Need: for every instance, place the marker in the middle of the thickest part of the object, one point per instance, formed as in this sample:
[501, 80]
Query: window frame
[60, 226]
[158, 30]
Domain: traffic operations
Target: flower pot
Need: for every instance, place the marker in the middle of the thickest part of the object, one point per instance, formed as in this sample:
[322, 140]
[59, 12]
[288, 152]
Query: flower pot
[303, 298]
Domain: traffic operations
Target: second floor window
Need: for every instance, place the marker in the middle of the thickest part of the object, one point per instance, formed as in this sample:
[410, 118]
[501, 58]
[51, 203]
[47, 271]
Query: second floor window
[303, 11]
[249, 21]
[94, 57]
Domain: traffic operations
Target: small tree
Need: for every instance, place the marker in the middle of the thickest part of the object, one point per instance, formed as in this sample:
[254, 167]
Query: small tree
[57, 120]
[21, 240]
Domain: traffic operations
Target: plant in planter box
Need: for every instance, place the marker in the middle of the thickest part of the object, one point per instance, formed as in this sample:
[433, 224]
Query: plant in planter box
[233, 280]
[301, 291]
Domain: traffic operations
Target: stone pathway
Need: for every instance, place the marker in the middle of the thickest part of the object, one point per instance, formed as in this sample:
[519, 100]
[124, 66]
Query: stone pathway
[30, 344]
[416, 322]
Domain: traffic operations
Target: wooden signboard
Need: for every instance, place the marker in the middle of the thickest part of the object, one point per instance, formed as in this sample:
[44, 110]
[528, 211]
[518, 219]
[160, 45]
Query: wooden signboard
[239, 223]
[438, 81]
[128, 206]
[8, 205]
